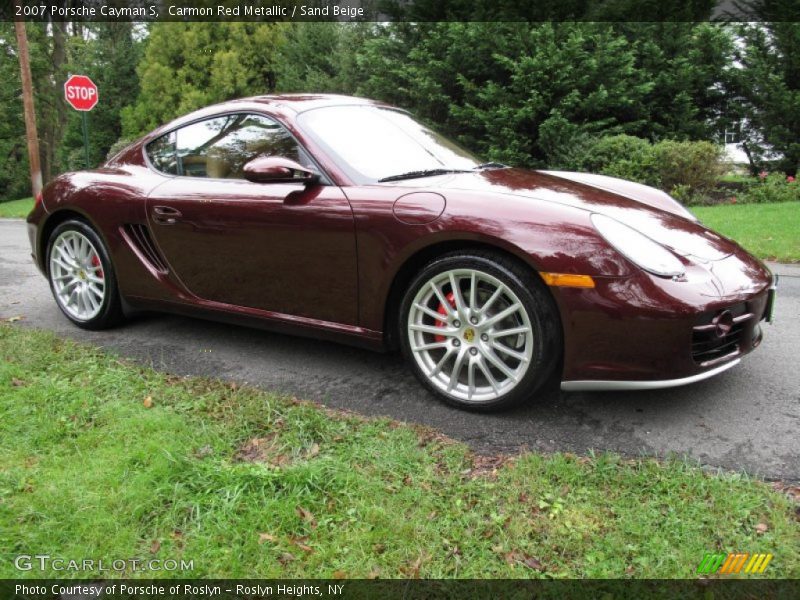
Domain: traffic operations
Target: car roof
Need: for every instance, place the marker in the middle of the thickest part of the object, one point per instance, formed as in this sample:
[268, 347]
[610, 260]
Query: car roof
[301, 102]
[279, 103]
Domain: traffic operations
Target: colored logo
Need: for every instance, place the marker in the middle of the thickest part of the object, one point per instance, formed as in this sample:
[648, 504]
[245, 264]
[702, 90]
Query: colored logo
[735, 562]
[469, 334]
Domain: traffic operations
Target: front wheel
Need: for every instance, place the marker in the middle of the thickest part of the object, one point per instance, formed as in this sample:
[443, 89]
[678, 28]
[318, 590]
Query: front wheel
[82, 277]
[480, 331]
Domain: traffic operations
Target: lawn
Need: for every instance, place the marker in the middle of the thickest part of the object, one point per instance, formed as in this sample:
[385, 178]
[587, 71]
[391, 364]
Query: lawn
[769, 231]
[103, 459]
[16, 209]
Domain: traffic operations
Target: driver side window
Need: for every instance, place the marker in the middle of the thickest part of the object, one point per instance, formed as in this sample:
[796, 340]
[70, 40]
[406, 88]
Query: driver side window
[219, 148]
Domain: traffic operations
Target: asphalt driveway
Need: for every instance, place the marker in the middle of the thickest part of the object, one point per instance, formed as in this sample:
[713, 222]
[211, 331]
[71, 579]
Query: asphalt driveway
[745, 419]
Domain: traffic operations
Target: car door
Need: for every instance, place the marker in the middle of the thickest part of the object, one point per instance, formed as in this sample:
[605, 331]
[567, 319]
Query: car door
[279, 247]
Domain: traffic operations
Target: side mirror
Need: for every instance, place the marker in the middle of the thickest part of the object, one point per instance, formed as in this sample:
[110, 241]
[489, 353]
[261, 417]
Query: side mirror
[276, 169]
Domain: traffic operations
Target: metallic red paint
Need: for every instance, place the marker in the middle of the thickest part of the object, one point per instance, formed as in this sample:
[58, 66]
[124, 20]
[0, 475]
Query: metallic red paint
[324, 260]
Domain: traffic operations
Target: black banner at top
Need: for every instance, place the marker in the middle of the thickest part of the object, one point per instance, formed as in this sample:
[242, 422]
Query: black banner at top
[401, 10]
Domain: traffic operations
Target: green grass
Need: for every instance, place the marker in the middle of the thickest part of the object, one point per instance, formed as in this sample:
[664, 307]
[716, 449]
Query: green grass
[738, 178]
[16, 209]
[769, 231]
[102, 459]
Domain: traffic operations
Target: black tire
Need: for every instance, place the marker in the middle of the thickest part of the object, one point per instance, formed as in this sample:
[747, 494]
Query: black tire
[541, 311]
[110, 311]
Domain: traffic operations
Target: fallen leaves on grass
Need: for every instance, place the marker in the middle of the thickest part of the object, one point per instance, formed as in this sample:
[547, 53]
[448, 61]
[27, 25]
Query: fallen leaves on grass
[155, 546]
[486, 466]
[262, 449]
[300, 542]
[286, 557]
[428, 436]
[266, 537]
[792, 491]
[411, 569]
[307, 516]
[148, 402]
[762, 528]
[204, 451]
[312, 451]
[17, 382]
[14, 319]
[520, 558]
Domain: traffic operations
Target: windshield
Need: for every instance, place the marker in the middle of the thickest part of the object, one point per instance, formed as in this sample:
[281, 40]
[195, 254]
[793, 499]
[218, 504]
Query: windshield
[371, 143]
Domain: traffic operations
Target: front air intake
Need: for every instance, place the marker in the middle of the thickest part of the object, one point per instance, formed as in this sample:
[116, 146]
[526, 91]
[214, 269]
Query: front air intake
[718, 335]
[139, 237]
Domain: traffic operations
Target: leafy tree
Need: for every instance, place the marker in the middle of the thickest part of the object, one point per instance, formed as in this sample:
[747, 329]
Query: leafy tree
[190, 65]
[47, 47]
[14, 179]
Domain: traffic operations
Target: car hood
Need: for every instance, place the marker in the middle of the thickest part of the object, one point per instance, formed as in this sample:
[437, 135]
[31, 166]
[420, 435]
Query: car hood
[658, 217]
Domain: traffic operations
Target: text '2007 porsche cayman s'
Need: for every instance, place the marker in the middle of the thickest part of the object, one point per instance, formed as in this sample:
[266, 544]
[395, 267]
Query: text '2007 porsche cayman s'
[346, 219]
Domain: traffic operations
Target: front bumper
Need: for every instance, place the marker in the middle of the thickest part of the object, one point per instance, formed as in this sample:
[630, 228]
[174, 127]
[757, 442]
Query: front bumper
[647, 332]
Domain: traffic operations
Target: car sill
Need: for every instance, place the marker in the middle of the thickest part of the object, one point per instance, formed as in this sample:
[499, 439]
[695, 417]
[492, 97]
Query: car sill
[606, 386]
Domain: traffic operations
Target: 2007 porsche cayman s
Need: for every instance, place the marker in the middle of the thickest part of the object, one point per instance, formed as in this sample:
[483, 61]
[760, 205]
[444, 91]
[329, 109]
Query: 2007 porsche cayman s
[347, 219]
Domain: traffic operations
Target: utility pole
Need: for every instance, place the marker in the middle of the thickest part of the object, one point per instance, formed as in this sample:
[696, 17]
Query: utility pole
[30, 110]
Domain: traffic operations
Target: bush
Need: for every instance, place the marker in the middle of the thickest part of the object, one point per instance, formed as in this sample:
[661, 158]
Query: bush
[775, 187]
[623, 156]
[695, 165]
[687, 170]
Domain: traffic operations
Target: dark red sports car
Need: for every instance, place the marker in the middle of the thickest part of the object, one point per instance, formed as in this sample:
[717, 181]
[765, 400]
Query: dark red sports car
[344, 218]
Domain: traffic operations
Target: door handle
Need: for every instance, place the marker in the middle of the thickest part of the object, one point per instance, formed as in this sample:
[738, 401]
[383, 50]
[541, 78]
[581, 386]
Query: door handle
[165, 215]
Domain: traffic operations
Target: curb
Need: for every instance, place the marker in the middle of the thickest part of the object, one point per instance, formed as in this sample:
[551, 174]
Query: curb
[784, 269]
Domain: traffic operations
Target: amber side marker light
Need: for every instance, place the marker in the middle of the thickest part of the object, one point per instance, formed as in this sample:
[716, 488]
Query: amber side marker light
[567, 280]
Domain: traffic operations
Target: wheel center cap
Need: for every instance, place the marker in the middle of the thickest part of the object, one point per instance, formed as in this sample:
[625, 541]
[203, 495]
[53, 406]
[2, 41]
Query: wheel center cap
[469, 334]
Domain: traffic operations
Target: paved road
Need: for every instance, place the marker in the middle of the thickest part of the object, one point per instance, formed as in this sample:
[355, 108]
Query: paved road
[745, 419]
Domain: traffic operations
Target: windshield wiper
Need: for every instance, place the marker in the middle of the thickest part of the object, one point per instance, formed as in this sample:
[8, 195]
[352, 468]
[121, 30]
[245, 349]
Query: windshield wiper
[491, 165]
[424, 173]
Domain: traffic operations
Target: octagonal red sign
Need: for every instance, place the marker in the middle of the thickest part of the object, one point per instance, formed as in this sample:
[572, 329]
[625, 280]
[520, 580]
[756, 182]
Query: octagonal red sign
[80, 92]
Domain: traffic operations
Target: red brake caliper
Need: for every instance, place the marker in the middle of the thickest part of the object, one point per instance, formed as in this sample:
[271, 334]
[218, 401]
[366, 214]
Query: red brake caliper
[96, 263]
[443, 311]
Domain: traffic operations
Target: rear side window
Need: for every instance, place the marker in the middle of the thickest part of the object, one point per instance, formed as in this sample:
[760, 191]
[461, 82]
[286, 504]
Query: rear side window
[219, 148]
[161, 153]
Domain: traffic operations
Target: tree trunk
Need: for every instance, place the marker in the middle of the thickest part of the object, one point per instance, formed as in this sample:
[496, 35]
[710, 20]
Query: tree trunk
[52, 135]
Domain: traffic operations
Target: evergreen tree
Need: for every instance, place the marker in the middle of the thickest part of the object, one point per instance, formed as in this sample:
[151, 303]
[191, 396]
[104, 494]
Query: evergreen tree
[768, 84]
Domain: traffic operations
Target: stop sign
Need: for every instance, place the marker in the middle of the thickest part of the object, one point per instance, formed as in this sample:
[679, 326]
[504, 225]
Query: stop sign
[80, 92]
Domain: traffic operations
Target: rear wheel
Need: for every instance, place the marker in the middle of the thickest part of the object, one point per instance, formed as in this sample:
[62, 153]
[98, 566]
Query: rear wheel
[82, 277]
[480, 331]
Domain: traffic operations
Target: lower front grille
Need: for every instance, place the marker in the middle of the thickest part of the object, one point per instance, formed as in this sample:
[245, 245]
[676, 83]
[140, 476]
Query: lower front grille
[717, 336]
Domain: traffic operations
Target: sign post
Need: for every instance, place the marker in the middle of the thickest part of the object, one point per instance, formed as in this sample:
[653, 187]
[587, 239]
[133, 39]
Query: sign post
[81, 94]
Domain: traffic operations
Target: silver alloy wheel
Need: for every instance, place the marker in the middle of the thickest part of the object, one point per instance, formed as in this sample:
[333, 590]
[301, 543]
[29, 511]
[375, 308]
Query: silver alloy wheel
[76, 273]
[470, 334]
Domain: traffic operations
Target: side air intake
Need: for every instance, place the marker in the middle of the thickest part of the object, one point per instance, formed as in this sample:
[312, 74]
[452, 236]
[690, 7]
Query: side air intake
[140, 237]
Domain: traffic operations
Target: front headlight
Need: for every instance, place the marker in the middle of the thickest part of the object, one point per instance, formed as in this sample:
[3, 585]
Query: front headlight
[637, 247]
